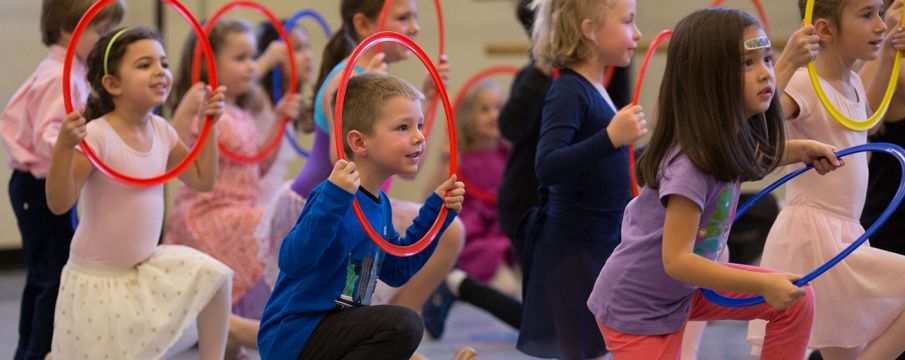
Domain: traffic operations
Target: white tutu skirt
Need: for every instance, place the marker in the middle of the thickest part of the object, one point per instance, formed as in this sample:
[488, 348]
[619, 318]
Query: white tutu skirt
[857, 299]
[107, 312]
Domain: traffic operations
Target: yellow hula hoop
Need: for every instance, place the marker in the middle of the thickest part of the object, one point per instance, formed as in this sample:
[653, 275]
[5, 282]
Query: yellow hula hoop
[855, 125]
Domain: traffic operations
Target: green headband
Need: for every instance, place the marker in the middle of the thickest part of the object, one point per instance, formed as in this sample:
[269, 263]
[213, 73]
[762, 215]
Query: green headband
[110, 46]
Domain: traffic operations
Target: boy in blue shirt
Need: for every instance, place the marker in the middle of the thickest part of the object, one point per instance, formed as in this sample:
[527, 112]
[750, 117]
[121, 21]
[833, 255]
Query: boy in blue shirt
[328, 265]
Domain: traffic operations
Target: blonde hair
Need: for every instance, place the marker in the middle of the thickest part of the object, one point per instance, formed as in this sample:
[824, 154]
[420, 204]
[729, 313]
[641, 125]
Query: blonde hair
[557, 36]
[366, 95]
[467, 111]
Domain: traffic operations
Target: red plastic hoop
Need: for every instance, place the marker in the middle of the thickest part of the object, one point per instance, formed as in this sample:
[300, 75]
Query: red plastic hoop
[495, 70]
[67, 97]
[441, 38]
[274, 143]
[369, 42]
[661, 37]
[760, 12]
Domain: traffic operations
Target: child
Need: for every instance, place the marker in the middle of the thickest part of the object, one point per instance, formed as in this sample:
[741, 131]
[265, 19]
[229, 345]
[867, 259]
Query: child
[691, 170]
[360, 20]
[582, 168]
[328, 266]
[273, 54]
[860, 302]
[222, 222]
[121, 295]
[28, 130]
[483, 156]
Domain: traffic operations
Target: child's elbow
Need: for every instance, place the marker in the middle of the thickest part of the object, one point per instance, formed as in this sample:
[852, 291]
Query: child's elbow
[57, 207]
[672, 267]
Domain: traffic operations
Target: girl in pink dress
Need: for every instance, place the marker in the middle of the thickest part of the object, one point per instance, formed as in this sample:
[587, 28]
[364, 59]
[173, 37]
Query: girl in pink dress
[222, 222]
[483, 159]
[122, 296]
[860, 301]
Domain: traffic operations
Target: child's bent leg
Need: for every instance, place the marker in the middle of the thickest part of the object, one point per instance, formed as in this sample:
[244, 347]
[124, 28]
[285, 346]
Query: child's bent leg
[416, 291]
[213, 324]
[691, 342]
[627, 347]
[889, 344]
[787, 331]
[370, 332]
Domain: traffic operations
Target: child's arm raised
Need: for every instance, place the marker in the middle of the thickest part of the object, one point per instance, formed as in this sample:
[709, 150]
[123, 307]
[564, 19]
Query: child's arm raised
[802, 48]
[317, 231]
[68, 168]
[895, 41]
[397, 270]
[682, 264]
[203, 172]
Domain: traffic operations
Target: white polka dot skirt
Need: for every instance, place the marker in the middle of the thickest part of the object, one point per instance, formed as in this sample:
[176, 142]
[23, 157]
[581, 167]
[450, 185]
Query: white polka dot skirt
[106, 312]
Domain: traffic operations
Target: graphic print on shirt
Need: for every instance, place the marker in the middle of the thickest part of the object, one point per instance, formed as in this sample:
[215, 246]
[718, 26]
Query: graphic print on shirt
[712, 237]
[361, 279]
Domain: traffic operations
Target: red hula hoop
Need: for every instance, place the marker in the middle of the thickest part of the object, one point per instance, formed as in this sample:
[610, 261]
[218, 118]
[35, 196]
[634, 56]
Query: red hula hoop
[661, 37]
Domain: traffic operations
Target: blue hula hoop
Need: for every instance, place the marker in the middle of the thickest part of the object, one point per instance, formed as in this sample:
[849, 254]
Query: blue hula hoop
[74, 216]
[890, 149]
[277, 82]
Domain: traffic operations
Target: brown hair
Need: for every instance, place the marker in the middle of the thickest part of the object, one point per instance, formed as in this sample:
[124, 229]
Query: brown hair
[465, 113]
[701, 108]
[100, 102]
[557, 36]
[217, 38]
[63, 15]
[345, 39]
[365, 96]
[824, 9]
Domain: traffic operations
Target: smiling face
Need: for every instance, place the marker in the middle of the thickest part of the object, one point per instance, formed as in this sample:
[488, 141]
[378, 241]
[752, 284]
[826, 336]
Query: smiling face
[396, 142]
[617, 37]
[143, 77]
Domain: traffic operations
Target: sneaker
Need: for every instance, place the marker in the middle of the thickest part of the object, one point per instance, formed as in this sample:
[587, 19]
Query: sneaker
[436, 309]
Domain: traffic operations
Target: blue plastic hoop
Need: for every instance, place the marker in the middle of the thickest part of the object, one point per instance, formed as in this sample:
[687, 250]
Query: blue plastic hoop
[74, 216]
[890, 149]
[277, 82]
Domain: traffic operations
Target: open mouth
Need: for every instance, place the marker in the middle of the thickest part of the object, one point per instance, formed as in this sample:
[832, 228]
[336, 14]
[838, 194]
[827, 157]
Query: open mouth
[766, 91]
[876, 42]
[414, 156]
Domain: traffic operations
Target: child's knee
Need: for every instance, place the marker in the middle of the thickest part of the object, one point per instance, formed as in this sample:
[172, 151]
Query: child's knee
[454, 236]
[407, 325]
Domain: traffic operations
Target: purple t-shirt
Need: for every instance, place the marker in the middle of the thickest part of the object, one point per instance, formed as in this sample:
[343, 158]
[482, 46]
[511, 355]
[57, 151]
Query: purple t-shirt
[633, 294]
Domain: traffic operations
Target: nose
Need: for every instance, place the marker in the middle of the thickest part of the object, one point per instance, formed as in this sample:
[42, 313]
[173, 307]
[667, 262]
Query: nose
[637, 32]
[418, 138]
[414, 29]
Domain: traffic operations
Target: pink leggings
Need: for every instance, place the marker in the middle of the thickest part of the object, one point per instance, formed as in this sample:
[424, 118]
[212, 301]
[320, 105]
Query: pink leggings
[786, 335]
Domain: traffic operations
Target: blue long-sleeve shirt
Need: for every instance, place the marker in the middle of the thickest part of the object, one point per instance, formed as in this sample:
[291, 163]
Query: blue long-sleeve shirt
[586, 176]
[327, 256]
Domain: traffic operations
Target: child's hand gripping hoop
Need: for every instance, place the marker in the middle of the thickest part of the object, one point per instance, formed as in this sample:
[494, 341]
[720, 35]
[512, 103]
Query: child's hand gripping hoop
[890, 149]
[757, 5]
[661, 37]
[856, 125]
[274, 143]
[369, 42]
[67, 97]
[278, 74]
[441, 36]
[474, 80]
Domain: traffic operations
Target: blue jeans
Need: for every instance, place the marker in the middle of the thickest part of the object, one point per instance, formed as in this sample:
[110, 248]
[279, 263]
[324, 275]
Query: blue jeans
[45, 243]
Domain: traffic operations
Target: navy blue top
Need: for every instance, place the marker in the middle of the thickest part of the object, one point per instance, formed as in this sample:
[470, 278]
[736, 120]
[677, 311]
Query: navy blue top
[327, 259]
[585, 176]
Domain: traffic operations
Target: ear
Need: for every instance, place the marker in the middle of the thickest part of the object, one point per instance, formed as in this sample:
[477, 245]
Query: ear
[356, 140]
[825, 30]
[112, 85]
[587, 30]
[363, 26]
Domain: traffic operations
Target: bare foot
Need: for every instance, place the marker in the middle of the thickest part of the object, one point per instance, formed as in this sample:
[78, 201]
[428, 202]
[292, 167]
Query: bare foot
[466, 353]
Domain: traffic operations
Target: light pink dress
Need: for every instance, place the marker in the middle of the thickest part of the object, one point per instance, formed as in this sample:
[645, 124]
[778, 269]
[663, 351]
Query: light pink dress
[121, 295]
[858, 298]
[222, 222]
